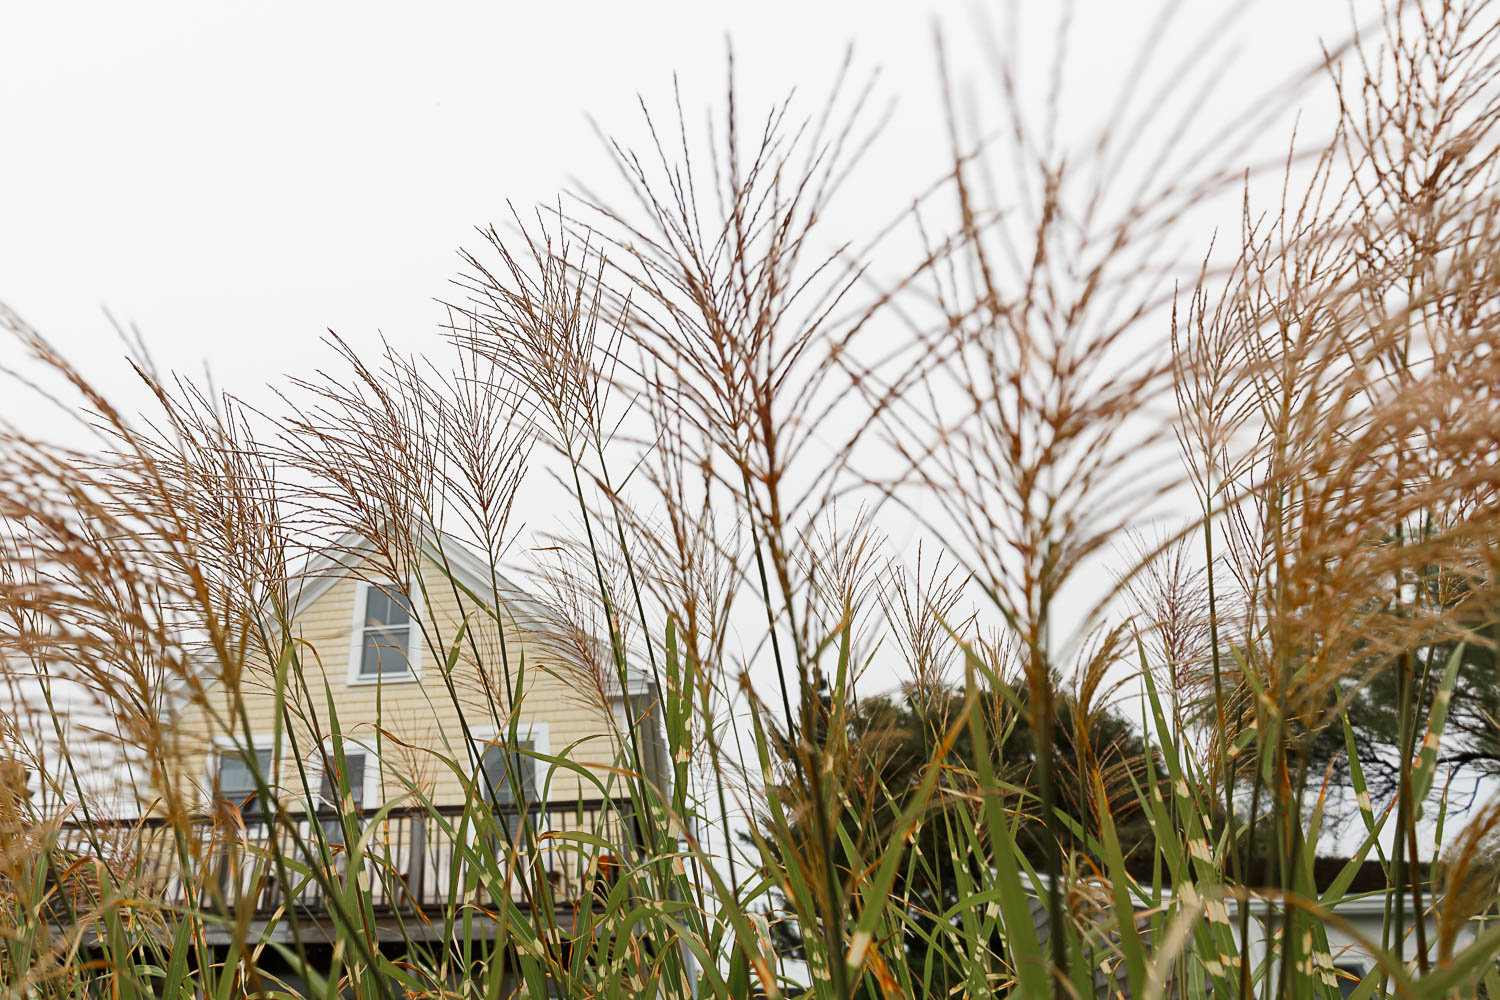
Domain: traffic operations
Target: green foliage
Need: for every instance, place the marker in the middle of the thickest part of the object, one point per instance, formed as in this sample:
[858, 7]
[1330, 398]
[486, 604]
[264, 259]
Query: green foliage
[888, 742]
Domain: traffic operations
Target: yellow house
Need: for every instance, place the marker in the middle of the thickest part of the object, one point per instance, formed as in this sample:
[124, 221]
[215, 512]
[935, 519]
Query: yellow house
[408, 702]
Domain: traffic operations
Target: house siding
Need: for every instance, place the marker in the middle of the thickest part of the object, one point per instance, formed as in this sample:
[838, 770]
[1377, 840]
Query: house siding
[413, 726]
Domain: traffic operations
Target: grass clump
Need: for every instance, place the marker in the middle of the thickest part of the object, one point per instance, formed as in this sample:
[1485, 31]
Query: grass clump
[728, 431]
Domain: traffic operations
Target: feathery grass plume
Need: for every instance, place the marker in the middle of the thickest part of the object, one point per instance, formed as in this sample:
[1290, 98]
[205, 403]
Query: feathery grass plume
[688, 550]
[370, 448]
[487, 443]
[738, 314]
[1169, 593]
[1045, 374]
[140, 571]
[991, 823]
[1466, 881]
[734, 324]
[837, 577]
[541, 320]
[921, 608]
[1322, 412]
[570, 574]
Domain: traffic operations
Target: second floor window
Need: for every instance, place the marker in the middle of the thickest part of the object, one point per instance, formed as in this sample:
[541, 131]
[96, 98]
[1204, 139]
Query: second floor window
[387, 632]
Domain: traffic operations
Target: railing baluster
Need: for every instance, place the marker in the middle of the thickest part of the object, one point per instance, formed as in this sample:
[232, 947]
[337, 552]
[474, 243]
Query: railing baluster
[408, 860]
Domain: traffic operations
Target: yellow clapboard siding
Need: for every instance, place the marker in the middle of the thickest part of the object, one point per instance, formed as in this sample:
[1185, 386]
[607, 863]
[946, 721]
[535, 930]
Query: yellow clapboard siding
[416, 726]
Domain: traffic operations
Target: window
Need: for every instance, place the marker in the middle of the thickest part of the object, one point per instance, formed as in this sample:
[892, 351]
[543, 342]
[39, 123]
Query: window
[508, 782]
[328, 792]
[384, 640]
[234, 782]
[330, 801]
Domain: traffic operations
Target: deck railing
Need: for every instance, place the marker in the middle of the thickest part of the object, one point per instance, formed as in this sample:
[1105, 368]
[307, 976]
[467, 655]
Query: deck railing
[408, 858]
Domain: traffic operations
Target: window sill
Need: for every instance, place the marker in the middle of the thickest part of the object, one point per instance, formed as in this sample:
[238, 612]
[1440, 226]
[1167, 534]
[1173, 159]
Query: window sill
[383, 680]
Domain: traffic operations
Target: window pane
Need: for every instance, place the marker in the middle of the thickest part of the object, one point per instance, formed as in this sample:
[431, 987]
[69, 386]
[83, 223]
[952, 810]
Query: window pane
[385, 604]
[505, 770]
[385, 651]
[236, 782]
[499, 784]
[329, 793]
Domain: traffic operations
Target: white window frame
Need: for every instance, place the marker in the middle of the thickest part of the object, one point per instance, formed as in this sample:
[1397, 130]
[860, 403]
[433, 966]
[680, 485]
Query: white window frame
[357, 639]
[224, 745]
[370, 782]
[619, 714]
[540, 735]
[538, 732]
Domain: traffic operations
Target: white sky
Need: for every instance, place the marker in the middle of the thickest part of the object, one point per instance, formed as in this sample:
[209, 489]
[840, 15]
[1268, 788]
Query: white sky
[235, 185]
[236, 180]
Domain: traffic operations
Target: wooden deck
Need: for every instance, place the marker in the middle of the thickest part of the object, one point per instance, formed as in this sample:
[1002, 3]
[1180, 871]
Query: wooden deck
[413, 863]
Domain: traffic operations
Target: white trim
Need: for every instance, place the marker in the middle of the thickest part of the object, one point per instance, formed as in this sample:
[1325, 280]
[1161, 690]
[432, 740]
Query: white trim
[637, 684]
[342, 558]
[357, 637]
[540, 735]
[621, 712]
[538, 732]
[321, 571]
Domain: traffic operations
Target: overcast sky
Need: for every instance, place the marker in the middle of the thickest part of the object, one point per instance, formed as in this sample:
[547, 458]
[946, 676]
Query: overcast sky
[235, 180]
